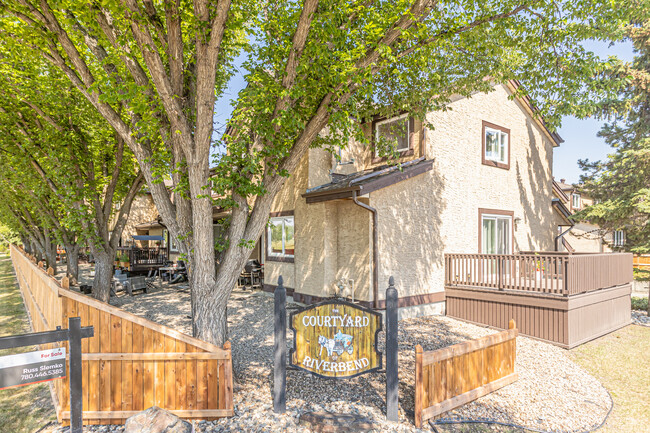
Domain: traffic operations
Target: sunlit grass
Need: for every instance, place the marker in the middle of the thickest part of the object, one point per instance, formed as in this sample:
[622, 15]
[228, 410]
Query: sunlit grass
[621, 361]
[27, 408]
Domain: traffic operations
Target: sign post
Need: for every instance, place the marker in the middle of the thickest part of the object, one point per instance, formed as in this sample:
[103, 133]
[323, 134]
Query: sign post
[392, 378]
[45, 365]
[280, 350]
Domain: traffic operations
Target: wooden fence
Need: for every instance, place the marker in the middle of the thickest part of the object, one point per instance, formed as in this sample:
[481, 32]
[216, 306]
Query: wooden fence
[131, 363]
[641, 262]
[450, 377]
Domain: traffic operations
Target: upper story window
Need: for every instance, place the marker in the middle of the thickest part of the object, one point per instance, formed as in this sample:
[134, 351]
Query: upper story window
[619, 238]
[280, 239]
[496, 145]
[395, 132]
[575, 201]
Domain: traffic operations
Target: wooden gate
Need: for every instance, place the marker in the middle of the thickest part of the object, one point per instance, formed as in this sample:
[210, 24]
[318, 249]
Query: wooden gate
[131, 363]
[450, 377]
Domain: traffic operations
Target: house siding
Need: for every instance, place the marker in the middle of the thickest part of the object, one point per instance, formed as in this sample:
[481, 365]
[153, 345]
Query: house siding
[425, 217]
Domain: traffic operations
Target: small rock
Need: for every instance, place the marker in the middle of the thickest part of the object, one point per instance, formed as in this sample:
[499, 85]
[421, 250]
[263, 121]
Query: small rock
[156, 420]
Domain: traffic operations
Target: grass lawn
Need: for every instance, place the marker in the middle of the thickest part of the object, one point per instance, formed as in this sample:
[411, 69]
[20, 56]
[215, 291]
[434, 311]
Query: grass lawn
[26, 408]
[621, 361]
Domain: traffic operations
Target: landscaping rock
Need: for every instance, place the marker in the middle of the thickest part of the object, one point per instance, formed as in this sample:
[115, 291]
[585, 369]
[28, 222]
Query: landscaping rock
[156, 420]
[326, 422]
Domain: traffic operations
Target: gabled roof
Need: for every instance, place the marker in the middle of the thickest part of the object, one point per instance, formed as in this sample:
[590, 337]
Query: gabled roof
[559, 191]
[563, 211]
[536, 115]
[367, 181]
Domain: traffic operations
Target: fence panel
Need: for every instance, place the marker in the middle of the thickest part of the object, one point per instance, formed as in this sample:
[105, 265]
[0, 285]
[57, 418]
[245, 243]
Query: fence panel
[450, 377]
[131, 363]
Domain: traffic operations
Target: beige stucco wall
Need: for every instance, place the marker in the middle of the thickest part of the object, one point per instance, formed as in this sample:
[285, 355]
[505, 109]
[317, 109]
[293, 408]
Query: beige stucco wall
[142, 210]
[425, 217]
[585, 238]
[422, 218]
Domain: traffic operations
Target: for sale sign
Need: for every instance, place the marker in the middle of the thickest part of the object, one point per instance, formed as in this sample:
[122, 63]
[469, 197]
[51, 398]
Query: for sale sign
[32, 367]
[336, 339]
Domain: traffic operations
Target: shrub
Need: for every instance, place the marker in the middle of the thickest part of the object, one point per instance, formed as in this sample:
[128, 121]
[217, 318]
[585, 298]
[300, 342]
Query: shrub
[639, 303]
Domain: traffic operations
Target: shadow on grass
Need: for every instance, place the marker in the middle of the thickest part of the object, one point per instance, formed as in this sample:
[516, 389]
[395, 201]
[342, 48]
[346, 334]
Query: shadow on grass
[27, 408]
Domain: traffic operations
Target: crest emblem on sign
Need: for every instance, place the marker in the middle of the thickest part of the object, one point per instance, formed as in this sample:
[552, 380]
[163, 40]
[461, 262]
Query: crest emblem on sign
[335, 339]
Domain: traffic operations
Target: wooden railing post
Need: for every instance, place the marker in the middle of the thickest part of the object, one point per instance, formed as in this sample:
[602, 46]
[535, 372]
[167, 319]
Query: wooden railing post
[566, 276]
[419, 391]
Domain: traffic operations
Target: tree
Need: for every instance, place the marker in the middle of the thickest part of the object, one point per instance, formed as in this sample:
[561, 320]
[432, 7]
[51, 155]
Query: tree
[621, 184]
[86, 179]
[153, 71]
[7, 238]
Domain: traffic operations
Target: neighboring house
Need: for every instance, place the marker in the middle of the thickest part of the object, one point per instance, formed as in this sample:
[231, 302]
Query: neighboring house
[582, 237]
[475, 179]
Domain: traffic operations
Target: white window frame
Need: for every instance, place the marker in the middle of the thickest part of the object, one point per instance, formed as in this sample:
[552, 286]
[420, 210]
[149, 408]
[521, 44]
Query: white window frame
[576, 200]
[269, 243]
[506, 146]
[390, 120]
[619, 238]
[498, 217]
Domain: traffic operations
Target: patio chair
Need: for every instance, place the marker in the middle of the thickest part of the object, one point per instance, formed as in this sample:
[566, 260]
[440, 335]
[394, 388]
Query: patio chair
[251, 275]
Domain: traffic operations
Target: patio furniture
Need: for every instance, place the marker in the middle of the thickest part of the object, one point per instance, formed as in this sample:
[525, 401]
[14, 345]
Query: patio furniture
[136, 284]
[251, 275]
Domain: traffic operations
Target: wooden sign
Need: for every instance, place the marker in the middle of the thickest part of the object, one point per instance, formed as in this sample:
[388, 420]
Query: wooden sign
[335, 339]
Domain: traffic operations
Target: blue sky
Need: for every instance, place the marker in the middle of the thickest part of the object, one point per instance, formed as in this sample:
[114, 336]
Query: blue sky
[580, 140]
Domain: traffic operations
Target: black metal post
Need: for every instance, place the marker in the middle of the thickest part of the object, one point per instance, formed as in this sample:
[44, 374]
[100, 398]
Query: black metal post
[74, 339]
[280, 350]
[392, 378]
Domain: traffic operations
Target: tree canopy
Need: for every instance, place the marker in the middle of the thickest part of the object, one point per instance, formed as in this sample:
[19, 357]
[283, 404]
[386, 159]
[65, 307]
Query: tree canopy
[621, 184]
[315, 70]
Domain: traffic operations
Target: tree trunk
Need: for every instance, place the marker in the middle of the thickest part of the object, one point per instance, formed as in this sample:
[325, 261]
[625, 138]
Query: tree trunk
[211, 314]
[72, 264]
[103, 274]
[50, 252]
[27, 246]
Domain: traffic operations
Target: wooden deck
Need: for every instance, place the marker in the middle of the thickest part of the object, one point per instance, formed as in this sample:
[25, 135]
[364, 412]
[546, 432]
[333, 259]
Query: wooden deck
[145, 259]
[566, 299]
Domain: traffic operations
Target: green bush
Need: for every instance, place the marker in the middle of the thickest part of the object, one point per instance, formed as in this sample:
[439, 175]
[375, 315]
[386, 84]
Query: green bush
[639, 303]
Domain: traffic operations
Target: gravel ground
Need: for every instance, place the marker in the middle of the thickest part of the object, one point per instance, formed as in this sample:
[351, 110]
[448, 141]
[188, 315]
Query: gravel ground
[552, 392]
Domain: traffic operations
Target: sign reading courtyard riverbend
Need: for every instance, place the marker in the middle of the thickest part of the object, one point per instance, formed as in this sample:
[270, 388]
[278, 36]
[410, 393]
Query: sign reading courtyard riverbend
[32, 367]
[336, 339]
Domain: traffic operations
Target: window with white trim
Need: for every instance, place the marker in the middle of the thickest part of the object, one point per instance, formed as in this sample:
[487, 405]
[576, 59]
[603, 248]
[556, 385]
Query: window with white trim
[394, 132]
[575, 201]
[280, 237]
[496, 234]
[496, 145]
[619, 238]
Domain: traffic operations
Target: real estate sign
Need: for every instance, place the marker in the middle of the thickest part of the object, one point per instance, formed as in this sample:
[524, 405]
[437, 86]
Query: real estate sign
[336, 339]
[32, 367]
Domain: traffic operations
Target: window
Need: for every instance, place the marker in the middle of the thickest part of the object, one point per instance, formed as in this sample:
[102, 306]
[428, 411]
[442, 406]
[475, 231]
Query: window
[575, 201]
[496, 146]
[394, 132]
[280, 240]
[496, 232]
[619, 238]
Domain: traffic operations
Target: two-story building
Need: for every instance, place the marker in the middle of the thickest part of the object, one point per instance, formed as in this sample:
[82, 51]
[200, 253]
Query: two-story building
[473, 179]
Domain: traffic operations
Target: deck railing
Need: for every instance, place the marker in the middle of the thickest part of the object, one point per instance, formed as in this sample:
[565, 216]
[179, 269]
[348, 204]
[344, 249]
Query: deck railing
[146, 256]
[547, 273]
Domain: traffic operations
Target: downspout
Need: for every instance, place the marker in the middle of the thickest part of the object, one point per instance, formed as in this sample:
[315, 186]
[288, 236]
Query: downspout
[375, 254]
[557, 238]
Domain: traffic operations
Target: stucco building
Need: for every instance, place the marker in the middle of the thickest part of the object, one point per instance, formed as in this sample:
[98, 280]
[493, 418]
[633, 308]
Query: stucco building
[474, 179]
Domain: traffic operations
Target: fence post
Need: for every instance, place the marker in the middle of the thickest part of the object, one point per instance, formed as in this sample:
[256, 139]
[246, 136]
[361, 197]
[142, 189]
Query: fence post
[76, 408]
[392, 379]
[418, 386]
[280, 350]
